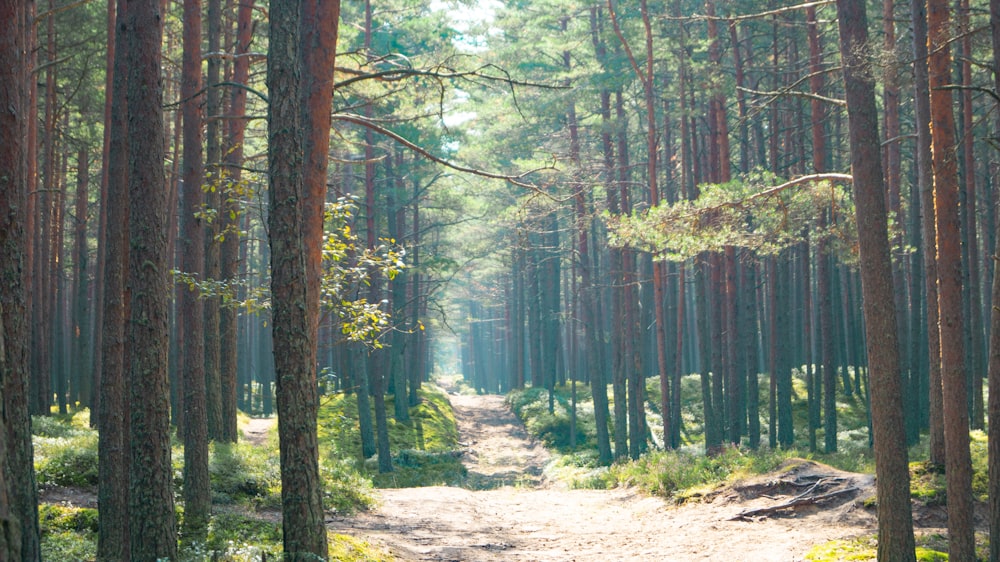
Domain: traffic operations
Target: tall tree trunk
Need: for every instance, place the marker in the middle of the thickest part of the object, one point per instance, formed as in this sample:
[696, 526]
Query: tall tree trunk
[32, 257]
[114, 414]
[645, 75]
[783, 359]
[212, 103]
[958, 461]
[894, 518]
[375, 364]
[823, 296]
[56, 291]
[197, 496]
[81, 291]
[19, 536]
[397, 349]
[994, 349]
[750, 327]
[230, 251]
[969, 217]
[152, 521]
[320, 25]
[44, 273]
[590, 322]
[419, 336]
[294, 346]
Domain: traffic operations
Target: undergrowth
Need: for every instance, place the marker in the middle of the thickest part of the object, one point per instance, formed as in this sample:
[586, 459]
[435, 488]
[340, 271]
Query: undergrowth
[424, 450]
[65, 450]
[68, 533]
[689, 472]
[244, 477]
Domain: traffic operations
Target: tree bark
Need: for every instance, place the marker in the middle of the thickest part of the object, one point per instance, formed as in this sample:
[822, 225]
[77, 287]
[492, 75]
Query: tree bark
[892, 471]
[152, 521]
[320, 20]
[958, 462]
[114, 413]
[197, 496]
[211, 304]
[19, 536]
[294, 346]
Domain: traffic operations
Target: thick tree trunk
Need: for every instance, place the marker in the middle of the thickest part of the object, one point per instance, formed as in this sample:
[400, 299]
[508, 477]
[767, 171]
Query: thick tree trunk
[958, 461]
[301, 497]
[320, 24]
[19, 536]
[114, 413]
[15, 466]
[152, 520]
[294, 348]
[892, 470]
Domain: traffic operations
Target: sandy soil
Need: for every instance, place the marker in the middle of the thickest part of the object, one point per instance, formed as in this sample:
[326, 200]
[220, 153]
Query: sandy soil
[256, 430]
[512, 513]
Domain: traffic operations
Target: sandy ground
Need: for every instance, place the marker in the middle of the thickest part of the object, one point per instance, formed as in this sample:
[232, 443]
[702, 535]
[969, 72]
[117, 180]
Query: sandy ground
[512, 513]
[256, 430]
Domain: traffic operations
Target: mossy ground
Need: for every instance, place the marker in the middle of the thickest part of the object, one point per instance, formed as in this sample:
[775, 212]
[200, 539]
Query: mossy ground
[246, 477]
[931, 547]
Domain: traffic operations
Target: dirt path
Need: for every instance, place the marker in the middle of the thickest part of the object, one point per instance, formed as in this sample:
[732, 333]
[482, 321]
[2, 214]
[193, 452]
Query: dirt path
[514, 514]
[256, 430]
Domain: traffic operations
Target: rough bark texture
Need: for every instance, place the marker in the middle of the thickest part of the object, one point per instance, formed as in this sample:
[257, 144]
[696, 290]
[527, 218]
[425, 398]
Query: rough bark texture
[197, 496]
[894, 518]
[958, 462]
[19, 539]
[301, 488]
[152, 520]
[10, 527]
[113, 445]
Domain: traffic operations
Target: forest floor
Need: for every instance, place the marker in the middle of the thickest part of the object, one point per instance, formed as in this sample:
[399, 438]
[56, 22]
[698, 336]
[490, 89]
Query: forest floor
[509, 511]
[256, 430]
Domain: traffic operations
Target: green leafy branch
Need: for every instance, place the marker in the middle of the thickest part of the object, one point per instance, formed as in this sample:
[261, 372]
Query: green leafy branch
[754, 211]
[348, 267]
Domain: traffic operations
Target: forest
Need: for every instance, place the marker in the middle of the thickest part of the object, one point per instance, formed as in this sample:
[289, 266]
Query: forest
[659, 227]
